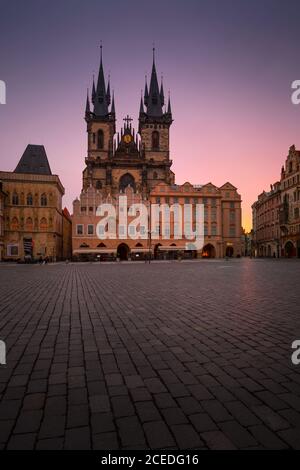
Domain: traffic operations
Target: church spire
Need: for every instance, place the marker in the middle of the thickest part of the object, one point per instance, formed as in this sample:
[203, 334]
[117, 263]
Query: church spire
[108, 91]
[141, 105]
[101, 102]
[87, 106]
[146, 93]
[113, 111]
[154, 105]
[161, 93]
[93, 91]
[169, 110]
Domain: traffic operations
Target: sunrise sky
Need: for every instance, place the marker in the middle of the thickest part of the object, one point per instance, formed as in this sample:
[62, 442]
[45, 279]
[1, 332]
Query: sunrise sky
[229, 65]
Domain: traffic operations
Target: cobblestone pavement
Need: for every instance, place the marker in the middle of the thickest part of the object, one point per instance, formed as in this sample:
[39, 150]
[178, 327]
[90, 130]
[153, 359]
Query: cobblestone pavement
[186, 355]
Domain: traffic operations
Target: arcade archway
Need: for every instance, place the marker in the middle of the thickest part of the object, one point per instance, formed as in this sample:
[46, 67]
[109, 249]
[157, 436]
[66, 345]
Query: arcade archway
[229, 251]
[289, 249]
[123, 251]
[208, 251]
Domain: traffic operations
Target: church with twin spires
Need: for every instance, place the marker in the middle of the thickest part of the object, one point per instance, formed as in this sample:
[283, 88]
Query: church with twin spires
[138, 164]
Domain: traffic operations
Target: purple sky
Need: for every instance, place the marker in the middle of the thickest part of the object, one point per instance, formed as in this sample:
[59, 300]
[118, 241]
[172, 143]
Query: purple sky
[229, 66]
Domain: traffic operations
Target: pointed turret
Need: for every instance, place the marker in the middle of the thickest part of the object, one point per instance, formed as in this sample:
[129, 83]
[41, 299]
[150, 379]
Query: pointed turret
[154, 107]
[142, 112]
[93, 91]
[87, 106]
[101, 104]
[161, 93]
[113, 111]
[169, 110]
[108, 92]
[146, 93]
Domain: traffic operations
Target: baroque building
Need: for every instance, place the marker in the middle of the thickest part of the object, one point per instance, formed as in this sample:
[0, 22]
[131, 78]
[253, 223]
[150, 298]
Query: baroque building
[32, 213]
[138, 165]
[276, 214]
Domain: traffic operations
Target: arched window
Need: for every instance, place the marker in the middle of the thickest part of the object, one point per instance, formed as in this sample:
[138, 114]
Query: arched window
[29, 224]
[43, 200]
[43, 224]
[29, 200]
[98, 184]
[100, 139]
[15, 224]
[155, 140]
[155, 175]
[126, 180]
[15, 199]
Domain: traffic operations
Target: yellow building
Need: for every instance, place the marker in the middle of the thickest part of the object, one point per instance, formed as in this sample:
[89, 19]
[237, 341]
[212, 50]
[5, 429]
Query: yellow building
[33, 220]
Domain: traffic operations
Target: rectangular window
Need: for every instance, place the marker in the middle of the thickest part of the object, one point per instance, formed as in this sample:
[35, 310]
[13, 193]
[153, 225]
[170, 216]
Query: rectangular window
[131, 230]
[232, 231]
[90, 229]
[214, 230]
[79, 229]
[121, 230]
[214, 215]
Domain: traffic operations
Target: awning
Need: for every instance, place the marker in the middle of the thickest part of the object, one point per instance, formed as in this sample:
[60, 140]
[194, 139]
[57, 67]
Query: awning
[171, 248]
[140, 250]
[89, 251]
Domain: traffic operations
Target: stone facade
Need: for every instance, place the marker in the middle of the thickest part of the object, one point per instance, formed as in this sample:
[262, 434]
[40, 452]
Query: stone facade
[138, 165]
[222, 223]
[276, 214]
[33, 220]
[266, 222]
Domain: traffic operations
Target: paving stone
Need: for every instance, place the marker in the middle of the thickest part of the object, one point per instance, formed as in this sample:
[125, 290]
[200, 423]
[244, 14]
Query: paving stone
[22, 442]
[158, 435]
[77, 439]
[267, 438]
[50, 444]
[203, 422]
[237, 434]
[147, 411]
[28, 422]
[186, 437]
[216, 440]
[174, 416]
[131, 431]
[102, 422]
[106, 441]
